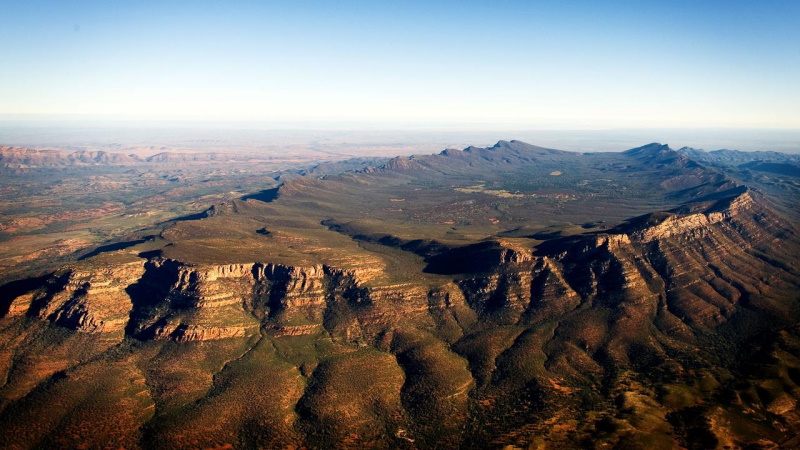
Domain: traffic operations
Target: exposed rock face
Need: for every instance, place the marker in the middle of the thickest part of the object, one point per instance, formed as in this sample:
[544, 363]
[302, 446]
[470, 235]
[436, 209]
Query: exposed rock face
[166, 299]
[637, 266]
[91, 302]
[626, 314]
[647, 268]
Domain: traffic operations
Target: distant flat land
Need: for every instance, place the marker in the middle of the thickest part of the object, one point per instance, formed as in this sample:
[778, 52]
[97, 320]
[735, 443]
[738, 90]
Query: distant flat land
[58, 201]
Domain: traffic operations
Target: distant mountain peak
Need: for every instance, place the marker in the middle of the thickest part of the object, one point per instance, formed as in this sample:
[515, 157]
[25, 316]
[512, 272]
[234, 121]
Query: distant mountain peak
[652, 148]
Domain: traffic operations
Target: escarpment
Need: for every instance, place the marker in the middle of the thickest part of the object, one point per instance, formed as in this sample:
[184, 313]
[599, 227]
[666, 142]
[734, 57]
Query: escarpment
[698, 265]
[698, 268]
[626, 336]
[167, 299]
[89, 301]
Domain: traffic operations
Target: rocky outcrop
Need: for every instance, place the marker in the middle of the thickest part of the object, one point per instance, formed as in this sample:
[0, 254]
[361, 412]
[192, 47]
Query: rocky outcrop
[695, 264]
[694, 225]
[91, 301]
[648, 264]
[649, 319]
[167, 299]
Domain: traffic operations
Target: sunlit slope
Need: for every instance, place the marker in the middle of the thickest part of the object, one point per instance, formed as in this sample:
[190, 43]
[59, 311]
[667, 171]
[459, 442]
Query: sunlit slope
[346, 312]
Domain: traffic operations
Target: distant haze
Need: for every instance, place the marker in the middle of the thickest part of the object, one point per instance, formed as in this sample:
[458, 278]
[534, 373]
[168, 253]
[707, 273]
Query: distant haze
[362, 139]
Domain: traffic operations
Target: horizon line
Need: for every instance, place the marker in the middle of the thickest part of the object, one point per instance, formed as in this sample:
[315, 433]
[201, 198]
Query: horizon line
[371, 125]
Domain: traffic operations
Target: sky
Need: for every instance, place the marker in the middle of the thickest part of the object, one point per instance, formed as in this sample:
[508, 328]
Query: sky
[516, 64]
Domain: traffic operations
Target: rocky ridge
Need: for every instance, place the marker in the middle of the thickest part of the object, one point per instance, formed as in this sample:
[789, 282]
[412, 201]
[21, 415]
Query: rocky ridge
[148, 298]
[630, 336]
[28, 158]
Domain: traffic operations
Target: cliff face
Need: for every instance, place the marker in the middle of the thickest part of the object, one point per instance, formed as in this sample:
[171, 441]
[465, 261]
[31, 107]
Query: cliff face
[611, 322]
[87, 301]
[650, 259]
[164, 299]
[657, 286]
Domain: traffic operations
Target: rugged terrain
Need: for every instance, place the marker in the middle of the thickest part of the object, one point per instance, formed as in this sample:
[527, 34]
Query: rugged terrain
[59, 204]
[511, 295]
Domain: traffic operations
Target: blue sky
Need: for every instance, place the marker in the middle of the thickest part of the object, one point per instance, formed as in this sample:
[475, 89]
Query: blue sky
[537, 64]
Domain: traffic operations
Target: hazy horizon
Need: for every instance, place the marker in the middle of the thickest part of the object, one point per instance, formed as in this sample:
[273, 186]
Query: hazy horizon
[408, 138]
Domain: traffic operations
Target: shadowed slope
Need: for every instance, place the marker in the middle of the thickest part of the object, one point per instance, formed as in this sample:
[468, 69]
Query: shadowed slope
[344, 313]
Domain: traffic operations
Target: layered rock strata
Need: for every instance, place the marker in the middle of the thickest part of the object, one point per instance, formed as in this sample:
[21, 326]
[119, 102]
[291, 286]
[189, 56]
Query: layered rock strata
[625, 314]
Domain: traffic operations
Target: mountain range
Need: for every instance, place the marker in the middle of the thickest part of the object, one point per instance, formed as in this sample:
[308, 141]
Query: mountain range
[508, 295]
